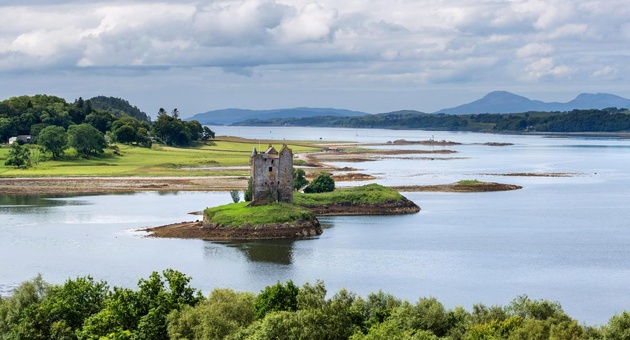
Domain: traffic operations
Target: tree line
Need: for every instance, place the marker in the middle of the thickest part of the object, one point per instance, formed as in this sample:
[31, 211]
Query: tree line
[164, 306]
[604, 120]
[88, 126]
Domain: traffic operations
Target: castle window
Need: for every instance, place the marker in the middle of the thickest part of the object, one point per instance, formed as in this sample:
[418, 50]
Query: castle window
[270, 169]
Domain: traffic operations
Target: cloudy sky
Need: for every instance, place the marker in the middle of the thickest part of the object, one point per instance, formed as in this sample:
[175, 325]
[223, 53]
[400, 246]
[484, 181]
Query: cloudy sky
[368, 55]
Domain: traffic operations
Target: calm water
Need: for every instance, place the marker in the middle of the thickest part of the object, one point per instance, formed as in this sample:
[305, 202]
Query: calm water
[563, 239]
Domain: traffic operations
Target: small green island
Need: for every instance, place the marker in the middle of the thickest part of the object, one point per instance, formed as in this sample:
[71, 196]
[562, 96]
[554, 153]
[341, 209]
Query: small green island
[276, 210]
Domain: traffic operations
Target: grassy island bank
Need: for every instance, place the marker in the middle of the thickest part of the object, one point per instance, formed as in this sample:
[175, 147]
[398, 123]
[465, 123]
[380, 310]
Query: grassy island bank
[371, 199]
[237, 221]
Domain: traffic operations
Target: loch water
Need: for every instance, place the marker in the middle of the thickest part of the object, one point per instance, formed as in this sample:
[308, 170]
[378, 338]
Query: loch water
[564, 239]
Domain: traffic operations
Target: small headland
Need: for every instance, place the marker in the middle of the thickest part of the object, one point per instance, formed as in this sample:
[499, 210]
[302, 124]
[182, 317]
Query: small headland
[371, 199]
[461, 186]
[238, 221]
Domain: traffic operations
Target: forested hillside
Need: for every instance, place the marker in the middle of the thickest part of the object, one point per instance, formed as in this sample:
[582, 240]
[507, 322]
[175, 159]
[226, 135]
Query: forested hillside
[605, 120]
[119, 107]
[85, 127]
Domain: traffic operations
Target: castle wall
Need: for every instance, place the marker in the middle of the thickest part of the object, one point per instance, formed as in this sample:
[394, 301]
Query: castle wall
[272, 176]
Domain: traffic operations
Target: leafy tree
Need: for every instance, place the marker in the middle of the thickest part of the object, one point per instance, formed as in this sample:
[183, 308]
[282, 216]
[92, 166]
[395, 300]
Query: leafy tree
[7, 129]
[125, 134]
[86, 139]
[323, 183]
[207, 134]
[248, 194]
[235, 196]
[102, 120]
[20, 314]
[74, 301]
[19, 156]
[53, 139]
[194, 129]
[171, 130]
[618, 327]
[378, 307]
[275, 298]
[142, 314]
[224, 313]
[299, 181]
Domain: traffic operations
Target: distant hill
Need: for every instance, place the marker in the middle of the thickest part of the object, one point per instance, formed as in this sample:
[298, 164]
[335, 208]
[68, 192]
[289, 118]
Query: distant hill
[506, 102]
[230, 116]
[118, 106]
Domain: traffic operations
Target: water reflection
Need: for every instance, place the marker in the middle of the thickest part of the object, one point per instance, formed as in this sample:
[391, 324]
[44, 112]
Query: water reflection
[268, 251]
[35, 204]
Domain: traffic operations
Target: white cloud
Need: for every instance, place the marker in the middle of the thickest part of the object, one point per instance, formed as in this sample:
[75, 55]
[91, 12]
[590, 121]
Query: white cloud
[403, 41]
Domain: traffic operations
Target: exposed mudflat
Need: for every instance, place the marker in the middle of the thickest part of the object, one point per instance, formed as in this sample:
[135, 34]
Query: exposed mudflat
[538, 174]
[455, 187]
[103, 185]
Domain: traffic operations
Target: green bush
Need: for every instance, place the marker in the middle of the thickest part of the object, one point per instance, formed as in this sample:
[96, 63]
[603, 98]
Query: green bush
[323, 183]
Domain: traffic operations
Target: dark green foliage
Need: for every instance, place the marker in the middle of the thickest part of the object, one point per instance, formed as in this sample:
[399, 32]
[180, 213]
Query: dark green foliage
[605, 120]
[143, 313]
[276, 298]
[119, 107]
[19, 156]
[101, 120]
[323, 183]
[54, 139]
[86, 139]
[207, 133]
[299, 181]
[618, 327]
[129, 130]
[7, 129]
[20, 314]
[75, 301]
[164, 307]
[247, 195]
[171, 130]
[224, 313]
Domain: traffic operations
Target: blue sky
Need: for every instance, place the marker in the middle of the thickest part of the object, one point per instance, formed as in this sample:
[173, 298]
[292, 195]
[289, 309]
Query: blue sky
[367, 55]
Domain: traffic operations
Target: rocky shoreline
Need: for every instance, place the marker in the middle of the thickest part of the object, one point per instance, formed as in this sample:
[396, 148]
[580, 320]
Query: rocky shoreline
[211, 232]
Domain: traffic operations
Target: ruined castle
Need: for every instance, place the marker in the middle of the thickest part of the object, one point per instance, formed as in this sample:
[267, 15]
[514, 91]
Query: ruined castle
[272, 175]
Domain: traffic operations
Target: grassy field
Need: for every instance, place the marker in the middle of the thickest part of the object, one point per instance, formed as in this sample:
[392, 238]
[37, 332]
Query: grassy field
[366, 194]
[208, 159]
[238, 214]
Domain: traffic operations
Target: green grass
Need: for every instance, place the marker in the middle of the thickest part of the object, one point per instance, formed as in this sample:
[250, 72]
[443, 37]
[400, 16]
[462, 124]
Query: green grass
[156, 161]
[238, 214]
[366, 194]
[469, 182]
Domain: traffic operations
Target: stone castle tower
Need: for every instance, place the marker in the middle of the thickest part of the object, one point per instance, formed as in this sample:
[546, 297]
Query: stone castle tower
[272, 175]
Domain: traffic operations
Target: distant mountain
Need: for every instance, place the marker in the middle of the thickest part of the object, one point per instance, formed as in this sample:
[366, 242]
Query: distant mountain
[230, 116]
[506, 102]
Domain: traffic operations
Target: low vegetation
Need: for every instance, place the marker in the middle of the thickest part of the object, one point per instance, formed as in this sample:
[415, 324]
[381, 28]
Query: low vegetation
[469, 182]
[372, 194]
[239, 214]
[203, 159]
[166, 307]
